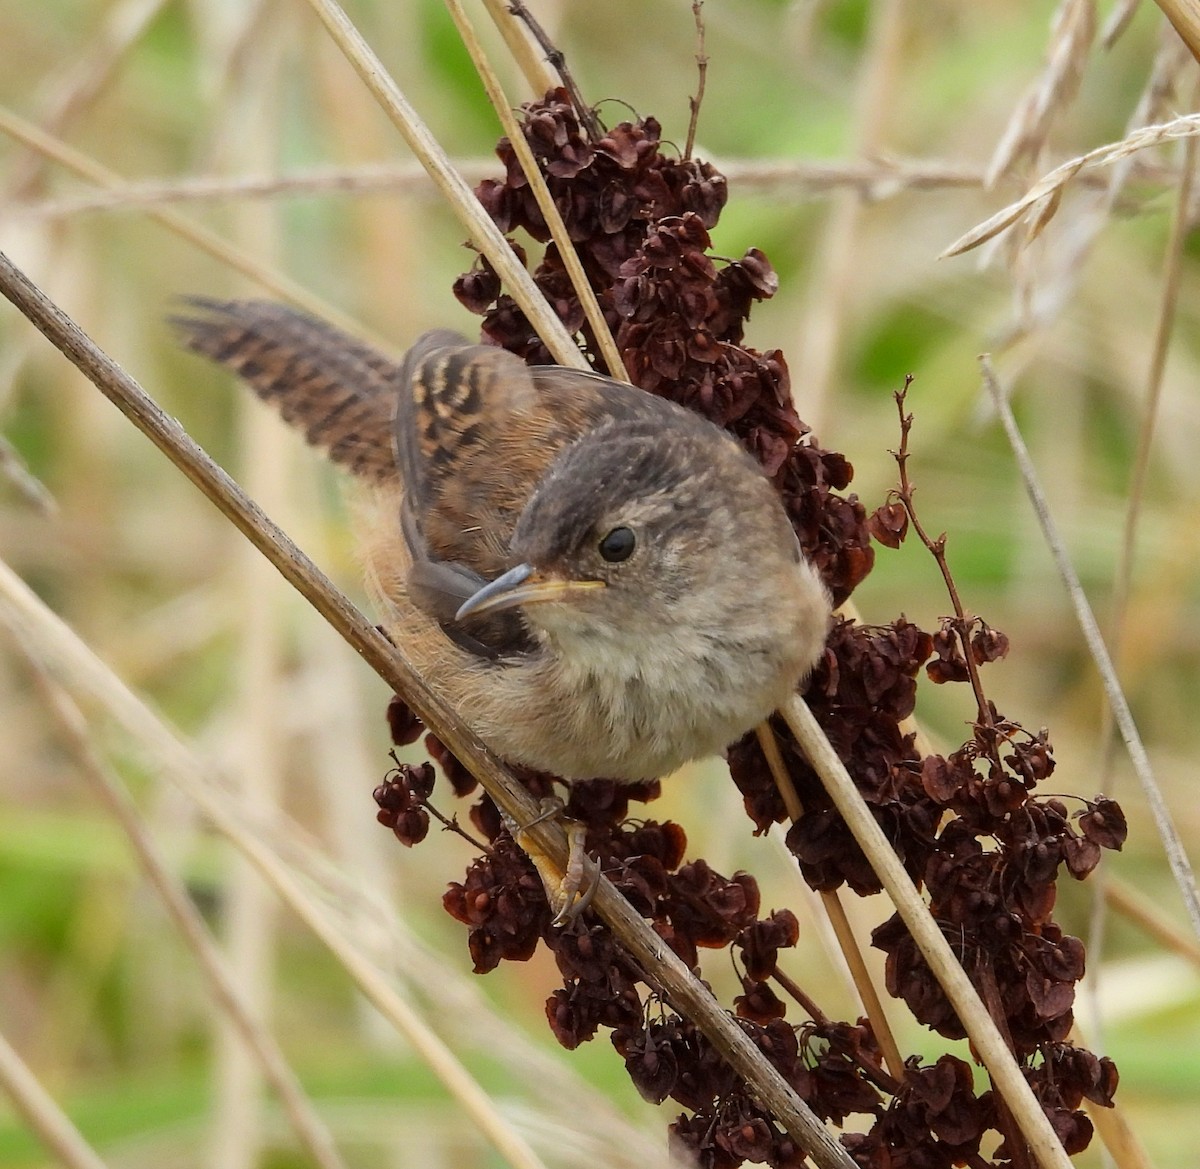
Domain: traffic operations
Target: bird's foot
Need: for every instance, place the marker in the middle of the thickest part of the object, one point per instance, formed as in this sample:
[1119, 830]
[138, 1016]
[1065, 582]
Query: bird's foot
[571, 891]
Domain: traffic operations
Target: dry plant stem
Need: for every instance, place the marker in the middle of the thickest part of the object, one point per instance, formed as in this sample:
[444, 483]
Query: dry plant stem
[42, 1115]
[787, 181]
[1118, 21]
[558, 62]
[835, 912]
[980, 1027]
[483, 232]
[937, 549]
[311, 1132]
[1112, 1124]
[207, 241]
[537, 76]
[1172, 844]
[662, 966]
[1119, 1140]
[694, 103]
[1123, 576]
[64, 654]
[541, 192]
[248, 112]
[1145, 914]
[872, 1003]
[403, 178]
[1184, 16]
[1168, 305]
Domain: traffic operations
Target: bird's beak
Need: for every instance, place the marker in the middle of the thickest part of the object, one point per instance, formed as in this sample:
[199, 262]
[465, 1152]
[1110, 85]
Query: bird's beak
[522, 585]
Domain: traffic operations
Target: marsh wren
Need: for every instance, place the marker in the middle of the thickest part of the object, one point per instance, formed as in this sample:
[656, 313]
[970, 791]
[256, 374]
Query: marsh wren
[601, 582]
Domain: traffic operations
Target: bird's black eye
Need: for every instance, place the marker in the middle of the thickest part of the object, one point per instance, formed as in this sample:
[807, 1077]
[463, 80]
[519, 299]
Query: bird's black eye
[618, 545]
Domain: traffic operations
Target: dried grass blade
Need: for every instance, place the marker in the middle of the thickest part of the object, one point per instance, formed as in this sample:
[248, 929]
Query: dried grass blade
[1051, 183]
[43, 1116]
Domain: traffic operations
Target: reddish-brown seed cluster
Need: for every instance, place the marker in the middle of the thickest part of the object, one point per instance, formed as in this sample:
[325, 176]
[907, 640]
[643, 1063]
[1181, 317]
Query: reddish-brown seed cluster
[402, 797]
[639, 219]
[966, 825]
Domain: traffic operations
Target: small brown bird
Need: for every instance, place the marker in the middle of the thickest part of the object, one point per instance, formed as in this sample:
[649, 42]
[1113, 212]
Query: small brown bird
[601, 582]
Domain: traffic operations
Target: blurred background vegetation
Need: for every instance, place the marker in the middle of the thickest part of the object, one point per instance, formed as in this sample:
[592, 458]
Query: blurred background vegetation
[857, 136]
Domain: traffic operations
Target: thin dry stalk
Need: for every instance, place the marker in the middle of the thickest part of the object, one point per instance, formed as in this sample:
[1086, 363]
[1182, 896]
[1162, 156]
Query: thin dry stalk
[983, 1032]
[1118, 1138]
[694, 103]
[1164, 327]
[405, 178]
[1118, 21]
[483, 232]
[537, 76]
[785, 179]
[558, 62]
[1145, 914]
[663, 968]
[207, 241]
[1161, 82]
[250, 102]
[302, 876]
[310, 1130]
[36, 1107]
[1172, 844]
[835, 913]
[541, 192]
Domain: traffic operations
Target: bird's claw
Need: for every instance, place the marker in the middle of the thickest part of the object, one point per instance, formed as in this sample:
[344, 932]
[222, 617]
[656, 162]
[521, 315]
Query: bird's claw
[570, 892]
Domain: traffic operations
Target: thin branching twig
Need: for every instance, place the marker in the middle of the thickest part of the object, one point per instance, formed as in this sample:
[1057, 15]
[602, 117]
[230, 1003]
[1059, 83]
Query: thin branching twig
[937, 549]
[694, 103]
[558, 62]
